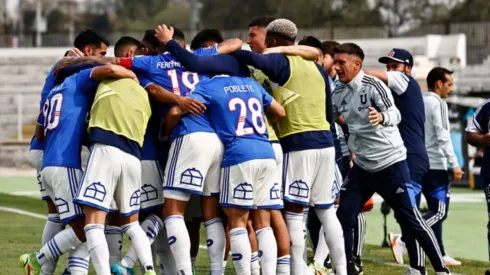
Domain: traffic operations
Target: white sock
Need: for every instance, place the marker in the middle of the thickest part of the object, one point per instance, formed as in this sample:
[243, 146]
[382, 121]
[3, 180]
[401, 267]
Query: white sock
[113, 235]
[284, 265]
[140, 243]
[254, 264]
[294, 223]
[334, 237]
[241, 251]
[180, 243]
[321, 252]
[268, 246]
[52, 227]
[63, 242]
[152, 225]
[165, 257]
[97, 248]
[216, 242]
[78, 260]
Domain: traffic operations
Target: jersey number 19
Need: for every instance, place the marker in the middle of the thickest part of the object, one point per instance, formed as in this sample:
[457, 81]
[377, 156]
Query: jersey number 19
[253, 106]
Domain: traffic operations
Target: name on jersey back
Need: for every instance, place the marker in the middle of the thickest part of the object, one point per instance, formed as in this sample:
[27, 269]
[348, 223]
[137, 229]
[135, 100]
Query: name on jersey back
[169, 65]
[239, 89]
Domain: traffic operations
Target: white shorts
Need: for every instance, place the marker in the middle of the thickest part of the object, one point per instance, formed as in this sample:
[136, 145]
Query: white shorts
[279, 162]
[151, 188]
[61, 184]
[111, 173]
[194, 166]
[250, 185]
[36, 158]
[193, 209]
[338, 181]
[309, 177]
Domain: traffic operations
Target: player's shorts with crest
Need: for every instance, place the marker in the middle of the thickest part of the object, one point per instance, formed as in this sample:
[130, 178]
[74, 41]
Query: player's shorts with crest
[61, 184]
[279, 161]
[193, 167]
[111, 173]
[250, 184]
[309, 177]
[151, 185]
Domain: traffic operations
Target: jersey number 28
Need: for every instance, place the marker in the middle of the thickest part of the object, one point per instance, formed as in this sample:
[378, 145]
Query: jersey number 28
[255, 107]
[52, 112]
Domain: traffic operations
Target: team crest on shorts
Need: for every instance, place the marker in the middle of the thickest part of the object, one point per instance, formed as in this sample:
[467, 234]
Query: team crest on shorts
[299, 189]
[95, 191]
[244, 191]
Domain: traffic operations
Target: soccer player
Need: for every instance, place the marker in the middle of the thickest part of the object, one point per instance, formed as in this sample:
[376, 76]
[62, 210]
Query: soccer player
[257, 30]
[64, 117]
[366, 105]
[478, 135]
[87, 43]
[211, 42]
[408, 99]
[247, 177]
[305, 138]
[441, 153]
[114, 169]
[237, 219]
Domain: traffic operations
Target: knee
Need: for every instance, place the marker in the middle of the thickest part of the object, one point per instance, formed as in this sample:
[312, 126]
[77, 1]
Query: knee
[78, 227]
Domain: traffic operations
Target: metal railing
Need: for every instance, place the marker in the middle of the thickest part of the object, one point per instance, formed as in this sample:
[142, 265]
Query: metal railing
[19, 111]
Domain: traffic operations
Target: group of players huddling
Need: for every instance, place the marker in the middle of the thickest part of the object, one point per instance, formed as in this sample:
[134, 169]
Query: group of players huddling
[255, 136]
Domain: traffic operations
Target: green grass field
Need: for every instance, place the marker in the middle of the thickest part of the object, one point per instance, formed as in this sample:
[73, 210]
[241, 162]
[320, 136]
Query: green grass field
[464, 232]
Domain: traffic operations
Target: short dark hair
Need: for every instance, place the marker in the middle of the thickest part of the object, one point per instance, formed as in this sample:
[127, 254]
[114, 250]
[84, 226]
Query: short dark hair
[206, 35]
[436, 74]
[126, 41]
[151, 39]
[313, 42]
[178, 34]
[329, 46]
[262, 21]
[89, 37]
[351, 49]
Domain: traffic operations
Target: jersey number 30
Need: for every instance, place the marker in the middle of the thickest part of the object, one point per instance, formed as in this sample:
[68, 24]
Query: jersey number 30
[255, 107]
[52, 112]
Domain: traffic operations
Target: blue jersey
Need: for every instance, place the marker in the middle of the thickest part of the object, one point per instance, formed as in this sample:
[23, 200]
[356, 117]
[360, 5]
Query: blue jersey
[65, 119]
[207, 51]
[235, 106]
[408, 99]
[48, 85]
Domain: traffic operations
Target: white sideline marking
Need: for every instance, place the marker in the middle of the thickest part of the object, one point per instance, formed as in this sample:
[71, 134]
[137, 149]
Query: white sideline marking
[44, 217]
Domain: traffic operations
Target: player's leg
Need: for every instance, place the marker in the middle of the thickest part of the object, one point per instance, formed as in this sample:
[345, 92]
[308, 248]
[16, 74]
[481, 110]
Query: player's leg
[113, 234]
[211, 211]
[127, 196]
[391, 185]
[277, 220]
[151, 208]
[254, 246]
[323, 196]
[267, 196]
[486, 182]
[237, 198]
[193, 220]
[359, 234]
[95, 195]
[298, 170]
[355, 192]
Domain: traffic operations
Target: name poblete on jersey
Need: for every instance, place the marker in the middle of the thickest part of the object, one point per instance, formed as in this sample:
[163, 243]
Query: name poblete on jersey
[238, 89]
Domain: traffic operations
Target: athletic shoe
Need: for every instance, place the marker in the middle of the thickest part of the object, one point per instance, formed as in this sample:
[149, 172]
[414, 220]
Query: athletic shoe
[353, 269]
[358, 262]
[29, 263]
[118, 269]
[450, 261]
[398, 247]
[328, 263]
[443, 273]
[412, 271]
[150, 272]
[487, 272]
[66, 272]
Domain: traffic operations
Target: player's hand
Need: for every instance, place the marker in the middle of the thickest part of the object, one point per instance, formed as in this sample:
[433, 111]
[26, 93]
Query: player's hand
[273, 50]
[164, 33]
[375, 118]
[75, 53]
[458, 173]
[191, 105]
